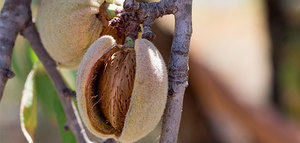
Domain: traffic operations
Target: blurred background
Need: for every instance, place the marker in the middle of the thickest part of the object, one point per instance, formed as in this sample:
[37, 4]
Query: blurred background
[244, 82]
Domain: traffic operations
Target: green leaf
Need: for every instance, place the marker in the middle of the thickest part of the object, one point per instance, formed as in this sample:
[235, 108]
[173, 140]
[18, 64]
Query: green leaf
[28, 111]
[20, 62]
[45, 91]
[51, 103]
[31, 56]
[15, 66]
[70, 77]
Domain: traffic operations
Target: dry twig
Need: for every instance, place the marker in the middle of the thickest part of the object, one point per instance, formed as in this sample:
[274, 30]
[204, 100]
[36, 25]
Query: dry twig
[14, 15]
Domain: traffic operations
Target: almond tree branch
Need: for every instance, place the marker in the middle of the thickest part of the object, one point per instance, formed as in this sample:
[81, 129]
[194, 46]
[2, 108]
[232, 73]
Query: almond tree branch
[146, 13]
[178, 70]
[14, 15]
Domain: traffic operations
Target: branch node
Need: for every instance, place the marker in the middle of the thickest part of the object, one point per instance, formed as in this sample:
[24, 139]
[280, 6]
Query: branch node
[149, 35]
[129, 5]
[66, 127]
[69, 93]
[136, 13]
[8, 73]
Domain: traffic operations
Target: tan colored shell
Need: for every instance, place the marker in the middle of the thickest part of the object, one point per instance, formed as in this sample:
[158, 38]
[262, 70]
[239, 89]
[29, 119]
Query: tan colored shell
[149, 93]
[68, 27]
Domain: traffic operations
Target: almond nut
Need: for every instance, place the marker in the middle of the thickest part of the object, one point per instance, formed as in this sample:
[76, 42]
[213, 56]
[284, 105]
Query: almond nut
[68, 27]
[121, 91]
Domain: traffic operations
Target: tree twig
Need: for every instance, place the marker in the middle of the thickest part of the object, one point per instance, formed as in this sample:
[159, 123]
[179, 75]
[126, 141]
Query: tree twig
[65, 94]
[178, 70]
[14, 15]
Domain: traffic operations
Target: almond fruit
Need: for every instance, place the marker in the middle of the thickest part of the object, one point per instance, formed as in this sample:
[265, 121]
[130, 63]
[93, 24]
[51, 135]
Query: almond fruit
[68, 27]
[121, 91]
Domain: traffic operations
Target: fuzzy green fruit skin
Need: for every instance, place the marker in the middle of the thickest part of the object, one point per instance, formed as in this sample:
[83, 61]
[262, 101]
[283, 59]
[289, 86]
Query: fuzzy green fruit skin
[68, 27]
[149, 93]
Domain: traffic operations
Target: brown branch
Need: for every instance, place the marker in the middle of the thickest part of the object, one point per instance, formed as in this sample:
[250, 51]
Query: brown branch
[65, 94]
[178, 70]
[136, 13]
[14, 15]
[278, 27]
[265, 123]
[148, 12]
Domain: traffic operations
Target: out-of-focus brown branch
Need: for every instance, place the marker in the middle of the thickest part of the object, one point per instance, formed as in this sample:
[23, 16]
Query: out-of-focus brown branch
[278, 27]
[267, 124]
[14, 15]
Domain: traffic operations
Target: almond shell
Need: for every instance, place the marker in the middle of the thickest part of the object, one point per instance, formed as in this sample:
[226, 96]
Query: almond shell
[149, 94]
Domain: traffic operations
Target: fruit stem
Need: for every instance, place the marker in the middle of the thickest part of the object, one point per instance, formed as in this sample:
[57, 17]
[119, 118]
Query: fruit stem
[129, 42]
